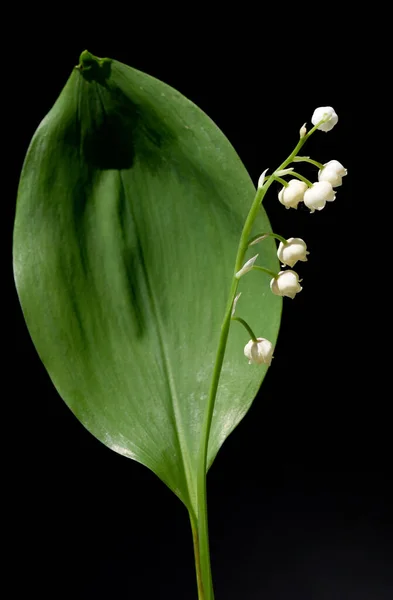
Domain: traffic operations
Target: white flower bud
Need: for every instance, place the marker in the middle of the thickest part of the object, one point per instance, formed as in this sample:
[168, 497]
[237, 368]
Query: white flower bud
[259, 352]
[246, 267]
[291, 195]
[324, 112]
[316, 197]
[303, 130]
[295, 249]
[286, 284]
[333, 172]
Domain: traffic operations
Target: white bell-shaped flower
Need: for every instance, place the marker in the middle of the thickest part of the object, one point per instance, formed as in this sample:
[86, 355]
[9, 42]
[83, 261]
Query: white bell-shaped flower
[324, 112]
[295, 249]
[333, 172]
[315, 197]
[291, 195]
[259, 352]
[286, 284]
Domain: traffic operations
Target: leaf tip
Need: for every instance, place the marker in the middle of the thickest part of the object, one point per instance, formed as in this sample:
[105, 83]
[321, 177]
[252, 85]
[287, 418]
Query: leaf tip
[93, 67]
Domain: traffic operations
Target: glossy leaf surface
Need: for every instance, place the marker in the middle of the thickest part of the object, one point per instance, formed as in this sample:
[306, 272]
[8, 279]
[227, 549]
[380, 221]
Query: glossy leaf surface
[130, 207]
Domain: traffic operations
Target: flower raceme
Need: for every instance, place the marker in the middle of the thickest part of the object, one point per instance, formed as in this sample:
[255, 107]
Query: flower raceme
[333, 172]
[286, 284]
[295, 249]
[259, 352]
[291, 250]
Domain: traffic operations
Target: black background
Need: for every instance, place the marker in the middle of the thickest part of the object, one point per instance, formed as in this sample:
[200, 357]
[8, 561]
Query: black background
[300, 494]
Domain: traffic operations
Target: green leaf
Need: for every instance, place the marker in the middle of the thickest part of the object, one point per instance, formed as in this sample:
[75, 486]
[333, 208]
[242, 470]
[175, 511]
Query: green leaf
[130, 208]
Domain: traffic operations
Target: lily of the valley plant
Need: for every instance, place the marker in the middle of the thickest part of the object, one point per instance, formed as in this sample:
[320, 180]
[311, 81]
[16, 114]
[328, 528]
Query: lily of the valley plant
[128, 195]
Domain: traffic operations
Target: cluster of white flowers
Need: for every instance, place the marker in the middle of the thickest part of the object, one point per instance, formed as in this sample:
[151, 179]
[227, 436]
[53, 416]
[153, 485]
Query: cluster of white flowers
[330, 175]
[315, 196]
[287, 283]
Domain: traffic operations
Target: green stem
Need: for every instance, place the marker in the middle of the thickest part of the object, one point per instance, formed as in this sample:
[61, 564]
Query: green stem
[302, 178]
[197, 557]
[309, 160]
[246, 325]
[264, 270]
[261, 236]
[281, 180]
[203, 535]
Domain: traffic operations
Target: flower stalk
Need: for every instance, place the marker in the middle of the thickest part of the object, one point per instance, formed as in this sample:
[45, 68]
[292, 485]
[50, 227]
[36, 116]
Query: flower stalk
[206, 591]
[246, 326]
[267, 271]
[302, 178]
[262, 236]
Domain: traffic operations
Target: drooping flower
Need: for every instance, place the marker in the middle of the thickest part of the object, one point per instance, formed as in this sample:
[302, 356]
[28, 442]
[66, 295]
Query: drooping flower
[333, 172]
[295, 249]
[291, 195]
[286, 284]
[315, 197]
[259, 352]
[324, 112]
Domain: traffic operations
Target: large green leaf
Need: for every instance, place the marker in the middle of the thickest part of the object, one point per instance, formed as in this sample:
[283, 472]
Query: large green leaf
[129, 212]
